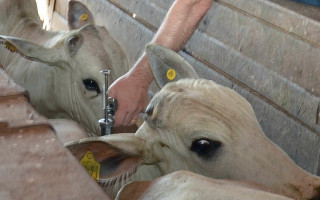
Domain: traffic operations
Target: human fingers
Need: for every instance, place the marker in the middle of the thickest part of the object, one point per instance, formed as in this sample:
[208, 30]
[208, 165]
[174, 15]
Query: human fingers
[120, 117]
[128, 119]
[135, 119]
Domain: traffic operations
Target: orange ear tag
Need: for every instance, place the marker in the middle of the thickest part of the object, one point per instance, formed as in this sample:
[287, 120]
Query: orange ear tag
[91, 165]
[84, 17]
[171, 74]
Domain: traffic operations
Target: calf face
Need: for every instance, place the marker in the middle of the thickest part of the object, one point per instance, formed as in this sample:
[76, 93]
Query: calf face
[199, 126]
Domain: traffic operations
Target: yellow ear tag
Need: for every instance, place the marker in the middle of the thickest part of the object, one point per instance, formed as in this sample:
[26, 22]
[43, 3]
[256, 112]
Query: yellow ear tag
[171, 74]
[10, 46]
[84, 17]
[91, 165]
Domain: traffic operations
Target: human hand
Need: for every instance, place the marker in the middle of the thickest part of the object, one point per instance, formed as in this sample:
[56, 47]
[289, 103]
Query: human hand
[131, 94]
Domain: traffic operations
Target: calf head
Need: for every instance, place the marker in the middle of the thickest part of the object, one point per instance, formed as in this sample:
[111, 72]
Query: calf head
[200, 126]
[70, 63]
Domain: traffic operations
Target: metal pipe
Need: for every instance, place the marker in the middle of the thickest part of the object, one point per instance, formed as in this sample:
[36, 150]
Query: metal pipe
[105, 89]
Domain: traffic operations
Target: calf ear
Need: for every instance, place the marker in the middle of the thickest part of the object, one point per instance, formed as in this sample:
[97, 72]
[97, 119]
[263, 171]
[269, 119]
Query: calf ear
[116, 153]
[32, 51]
[78, 15]
[167, 65]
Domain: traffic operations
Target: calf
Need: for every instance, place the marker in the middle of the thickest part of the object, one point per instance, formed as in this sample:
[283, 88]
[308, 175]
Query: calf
[184, 185]
[60, 69]
[202, 127]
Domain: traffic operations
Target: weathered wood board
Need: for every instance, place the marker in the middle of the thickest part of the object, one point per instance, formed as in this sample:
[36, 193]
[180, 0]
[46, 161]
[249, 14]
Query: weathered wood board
[267, 50]
[34, 163]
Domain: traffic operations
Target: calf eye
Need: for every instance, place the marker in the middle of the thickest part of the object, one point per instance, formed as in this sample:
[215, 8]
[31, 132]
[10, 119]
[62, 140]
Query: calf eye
[205, 148]
[91, 85]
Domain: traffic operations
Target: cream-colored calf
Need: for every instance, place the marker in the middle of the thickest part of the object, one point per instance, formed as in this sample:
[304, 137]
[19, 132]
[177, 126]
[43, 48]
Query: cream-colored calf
[60, 69]
[202, 127]
[184, 185]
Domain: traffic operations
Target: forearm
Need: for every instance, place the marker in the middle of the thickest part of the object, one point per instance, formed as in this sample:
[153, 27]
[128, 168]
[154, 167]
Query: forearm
[141, 71]
[180, 23]
[176, 29]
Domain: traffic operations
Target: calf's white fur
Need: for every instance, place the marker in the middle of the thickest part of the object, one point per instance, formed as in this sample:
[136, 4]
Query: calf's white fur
[60, 69]
[184, 185]
[202, 127]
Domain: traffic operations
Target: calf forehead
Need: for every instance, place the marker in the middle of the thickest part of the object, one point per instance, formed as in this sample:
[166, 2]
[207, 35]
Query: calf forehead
[97, 40]
[91, 37]
[90, 31]
[95, 49]
[200, 100]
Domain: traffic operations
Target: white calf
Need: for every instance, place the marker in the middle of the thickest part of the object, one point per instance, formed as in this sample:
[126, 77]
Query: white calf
[202, 127]
[184, 185]
[59, 69]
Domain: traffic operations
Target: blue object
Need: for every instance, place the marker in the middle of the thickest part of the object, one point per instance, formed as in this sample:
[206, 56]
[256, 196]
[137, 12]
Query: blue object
[311, 2]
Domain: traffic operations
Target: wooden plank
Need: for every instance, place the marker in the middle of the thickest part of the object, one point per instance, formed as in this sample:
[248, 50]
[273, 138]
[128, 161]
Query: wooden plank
[150, 12]
[50, 4]
[35, 165]
[300, 19]
[59, 22]
[19, 107]
[34, 162]
[279, 51]
[61, 7]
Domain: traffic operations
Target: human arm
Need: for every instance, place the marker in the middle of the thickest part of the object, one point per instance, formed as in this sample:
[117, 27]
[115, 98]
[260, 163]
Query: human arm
[131, 90]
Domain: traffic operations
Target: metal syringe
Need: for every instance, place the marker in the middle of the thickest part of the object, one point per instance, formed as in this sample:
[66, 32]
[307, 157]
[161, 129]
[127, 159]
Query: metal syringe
[109, 107]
